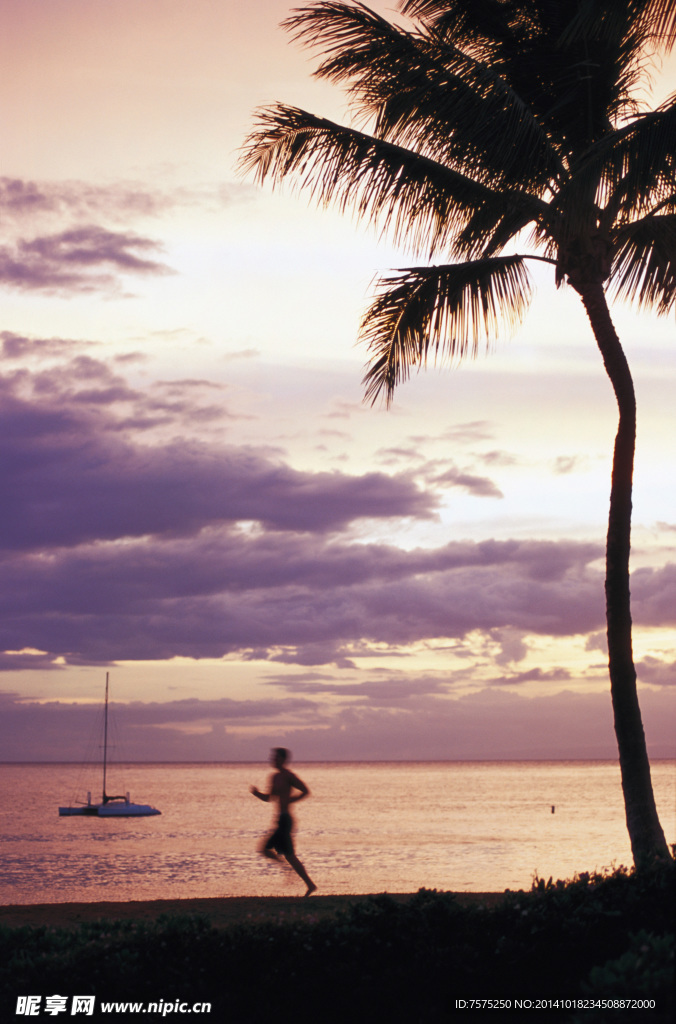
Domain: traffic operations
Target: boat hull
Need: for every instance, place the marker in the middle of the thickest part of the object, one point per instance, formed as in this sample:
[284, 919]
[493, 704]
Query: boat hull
[113, 810]
[127, 811]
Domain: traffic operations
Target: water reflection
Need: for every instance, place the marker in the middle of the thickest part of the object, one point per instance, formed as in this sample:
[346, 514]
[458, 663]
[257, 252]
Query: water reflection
[367, 828]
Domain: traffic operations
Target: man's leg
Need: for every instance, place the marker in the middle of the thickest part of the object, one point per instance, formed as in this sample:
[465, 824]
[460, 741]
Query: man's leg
[268, 851]
[300, 870]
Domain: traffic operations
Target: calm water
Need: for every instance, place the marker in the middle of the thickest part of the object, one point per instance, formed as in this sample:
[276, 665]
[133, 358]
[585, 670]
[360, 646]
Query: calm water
[472, 827]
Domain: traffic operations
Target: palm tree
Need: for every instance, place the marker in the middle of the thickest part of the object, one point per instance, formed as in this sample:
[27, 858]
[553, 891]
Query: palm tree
[480, 121]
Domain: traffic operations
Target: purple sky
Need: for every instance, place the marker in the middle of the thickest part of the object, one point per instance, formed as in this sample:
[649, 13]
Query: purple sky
[197, 500]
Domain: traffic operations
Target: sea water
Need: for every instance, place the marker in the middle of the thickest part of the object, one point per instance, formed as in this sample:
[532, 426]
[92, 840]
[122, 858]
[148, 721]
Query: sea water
[368, 827]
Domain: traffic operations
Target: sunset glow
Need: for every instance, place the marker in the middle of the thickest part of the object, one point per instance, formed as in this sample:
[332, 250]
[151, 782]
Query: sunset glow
[197, 498]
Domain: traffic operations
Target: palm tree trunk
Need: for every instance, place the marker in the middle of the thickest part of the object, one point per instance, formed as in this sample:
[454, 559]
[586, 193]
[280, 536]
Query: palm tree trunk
[645, 832]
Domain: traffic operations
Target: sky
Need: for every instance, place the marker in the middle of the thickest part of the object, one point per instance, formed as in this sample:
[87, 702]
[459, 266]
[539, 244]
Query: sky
[196, 498]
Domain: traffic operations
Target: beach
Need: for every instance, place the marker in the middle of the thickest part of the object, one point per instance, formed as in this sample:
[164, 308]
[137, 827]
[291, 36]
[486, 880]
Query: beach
[229, 910]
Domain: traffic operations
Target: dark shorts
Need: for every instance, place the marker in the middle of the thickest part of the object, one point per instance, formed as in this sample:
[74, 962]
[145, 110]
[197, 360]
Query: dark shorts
[281, 840]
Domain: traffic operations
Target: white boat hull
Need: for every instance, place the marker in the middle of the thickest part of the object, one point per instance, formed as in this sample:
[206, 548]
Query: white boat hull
[126, 810]
[111, 810]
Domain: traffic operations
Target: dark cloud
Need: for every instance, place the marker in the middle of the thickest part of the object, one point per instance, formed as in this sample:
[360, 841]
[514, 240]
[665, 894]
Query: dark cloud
[597, 642]
[391, 690]
[654, 595]
[533, 675]
[114, 549]
[81, 259]
[325, 652]
[513, 646]
[656, 671]
[42, 731]
[74, 471]
[63, 490]
[18, 661]
[294, 597]
[493, 725]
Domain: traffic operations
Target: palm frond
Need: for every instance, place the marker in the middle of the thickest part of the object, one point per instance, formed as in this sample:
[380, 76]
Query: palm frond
[651, 22]
[627, 174]
[495, 225]
[663, 22]
[441, 311]
[644, 266]
[640, 160]
[480, 24]
[429, 95]
[574, 68]
[421, 202]
[494, 19]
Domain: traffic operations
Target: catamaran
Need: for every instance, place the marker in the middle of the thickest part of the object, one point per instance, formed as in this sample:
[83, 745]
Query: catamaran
[110, 806]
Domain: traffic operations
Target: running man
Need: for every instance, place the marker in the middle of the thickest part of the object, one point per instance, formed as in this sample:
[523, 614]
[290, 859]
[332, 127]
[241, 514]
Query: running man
[281, 785]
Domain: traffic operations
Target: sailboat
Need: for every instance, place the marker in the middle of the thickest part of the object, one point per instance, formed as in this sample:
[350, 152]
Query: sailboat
[110, 806]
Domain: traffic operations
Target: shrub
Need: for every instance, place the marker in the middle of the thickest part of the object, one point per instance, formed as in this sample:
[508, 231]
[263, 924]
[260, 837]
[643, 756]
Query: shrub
[380, 958]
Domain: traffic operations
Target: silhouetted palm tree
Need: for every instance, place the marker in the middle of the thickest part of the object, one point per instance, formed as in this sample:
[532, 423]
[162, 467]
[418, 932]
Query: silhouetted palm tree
[481, 119]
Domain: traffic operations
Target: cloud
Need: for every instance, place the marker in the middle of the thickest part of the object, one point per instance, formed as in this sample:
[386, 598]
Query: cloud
[458, 434]
[533, 675]
[474, 430]
[483, 726]
[513, 646]
[597, 642]
[497, 457]
[654, 595]
[656, 671]
[30, 200]
[565, 464]
[390, 690]
[391, 456]
[22, 347]
[296, 597]
[81, 259]
[81, 239]
[448, 476]
[26, 200]
[480, 486]
[116, 544]
[75, 471]
[63, 491]
[42, 731]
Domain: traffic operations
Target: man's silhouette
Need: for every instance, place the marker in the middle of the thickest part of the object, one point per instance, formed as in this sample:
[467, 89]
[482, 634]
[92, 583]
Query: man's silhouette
[281, 841]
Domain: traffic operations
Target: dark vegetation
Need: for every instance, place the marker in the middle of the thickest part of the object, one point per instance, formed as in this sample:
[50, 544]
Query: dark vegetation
[597, 937]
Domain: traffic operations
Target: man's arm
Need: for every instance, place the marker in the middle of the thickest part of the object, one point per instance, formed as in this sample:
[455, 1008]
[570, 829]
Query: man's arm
[261, 796]
[298, 784]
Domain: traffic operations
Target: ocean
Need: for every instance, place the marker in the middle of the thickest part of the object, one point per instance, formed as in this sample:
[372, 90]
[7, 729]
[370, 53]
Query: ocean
[368, 827]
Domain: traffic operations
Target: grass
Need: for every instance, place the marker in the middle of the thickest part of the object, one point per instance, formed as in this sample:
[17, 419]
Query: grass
[607, 936]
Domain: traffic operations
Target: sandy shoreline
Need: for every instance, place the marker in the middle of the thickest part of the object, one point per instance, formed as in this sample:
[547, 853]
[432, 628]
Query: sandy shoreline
[220, 912]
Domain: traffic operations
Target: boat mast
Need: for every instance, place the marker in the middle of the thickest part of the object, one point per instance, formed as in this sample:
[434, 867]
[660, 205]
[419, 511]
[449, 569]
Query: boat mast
[105, 741]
